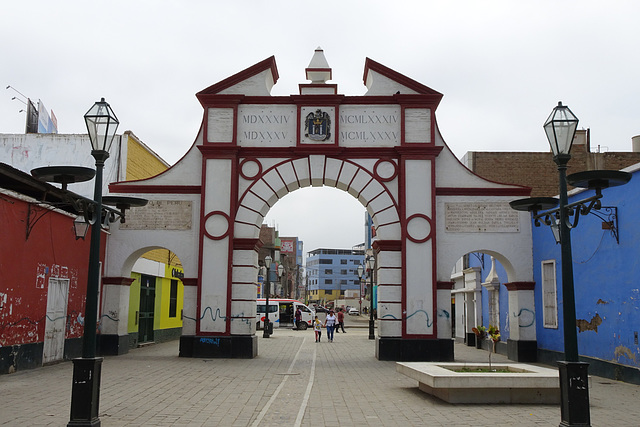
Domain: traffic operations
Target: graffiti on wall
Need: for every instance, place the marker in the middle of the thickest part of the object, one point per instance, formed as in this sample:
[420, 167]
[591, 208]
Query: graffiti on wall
[23, 314]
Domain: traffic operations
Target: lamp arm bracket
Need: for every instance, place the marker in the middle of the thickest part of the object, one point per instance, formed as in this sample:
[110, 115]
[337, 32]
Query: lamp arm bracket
[609, 217]
[591, 205]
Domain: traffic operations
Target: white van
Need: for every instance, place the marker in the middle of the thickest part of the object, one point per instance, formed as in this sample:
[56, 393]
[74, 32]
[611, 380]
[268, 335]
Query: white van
[282, 313]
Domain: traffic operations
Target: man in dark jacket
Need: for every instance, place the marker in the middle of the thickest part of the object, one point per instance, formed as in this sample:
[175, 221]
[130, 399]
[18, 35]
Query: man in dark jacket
[340, 321]
[298, 318]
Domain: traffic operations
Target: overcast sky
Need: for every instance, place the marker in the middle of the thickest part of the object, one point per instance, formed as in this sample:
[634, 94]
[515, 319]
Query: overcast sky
[501, 65]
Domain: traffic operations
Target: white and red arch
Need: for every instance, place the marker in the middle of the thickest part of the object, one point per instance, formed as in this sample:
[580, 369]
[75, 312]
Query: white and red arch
[383, 148]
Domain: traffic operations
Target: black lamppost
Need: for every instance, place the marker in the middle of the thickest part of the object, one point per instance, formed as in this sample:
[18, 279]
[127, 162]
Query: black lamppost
[560, 128]
[85, 394]
[267, 287]
[371, 263]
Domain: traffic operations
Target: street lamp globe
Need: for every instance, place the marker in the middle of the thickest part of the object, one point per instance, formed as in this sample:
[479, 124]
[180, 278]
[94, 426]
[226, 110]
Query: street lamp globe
[102, 124]
[360, 271]
[80, 227]
[267, 261]
[370, 262]
[280, 270]
[560, 128]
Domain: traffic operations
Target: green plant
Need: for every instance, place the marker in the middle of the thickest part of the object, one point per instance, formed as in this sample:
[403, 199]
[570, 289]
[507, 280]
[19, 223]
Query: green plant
[494, 334]
[480, 331]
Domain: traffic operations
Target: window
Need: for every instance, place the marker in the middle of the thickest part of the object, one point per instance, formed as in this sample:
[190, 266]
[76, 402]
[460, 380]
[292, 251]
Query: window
[328, 281]
[343, 261]
[549, 295]
[343, 282]
[325, 261]
[272, 308]
[173, 299]
[344, 272]
[328, 271]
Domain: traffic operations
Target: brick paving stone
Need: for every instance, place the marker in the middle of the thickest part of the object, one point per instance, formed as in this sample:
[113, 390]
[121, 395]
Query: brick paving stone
[292, 380]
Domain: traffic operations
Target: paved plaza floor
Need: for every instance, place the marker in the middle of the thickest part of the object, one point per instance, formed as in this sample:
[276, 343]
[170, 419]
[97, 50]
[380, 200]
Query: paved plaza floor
[294, 381]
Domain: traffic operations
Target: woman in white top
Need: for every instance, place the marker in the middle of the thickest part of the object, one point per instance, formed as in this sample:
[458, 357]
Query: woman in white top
[330, 323]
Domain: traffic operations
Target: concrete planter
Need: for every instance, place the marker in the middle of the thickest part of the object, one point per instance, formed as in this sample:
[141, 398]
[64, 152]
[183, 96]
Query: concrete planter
[521, 384]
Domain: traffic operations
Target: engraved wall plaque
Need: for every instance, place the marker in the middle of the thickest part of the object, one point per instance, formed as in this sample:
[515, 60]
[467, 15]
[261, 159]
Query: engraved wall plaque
[481, 217]
[160, 215]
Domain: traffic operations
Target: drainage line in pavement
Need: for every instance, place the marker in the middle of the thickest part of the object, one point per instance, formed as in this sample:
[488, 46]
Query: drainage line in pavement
[264, 411]
[303, 406]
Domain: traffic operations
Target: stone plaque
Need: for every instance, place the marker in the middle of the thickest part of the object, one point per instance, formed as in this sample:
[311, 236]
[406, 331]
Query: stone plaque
[369, 125]
[271, 125]
[469, 217]
[160, 215]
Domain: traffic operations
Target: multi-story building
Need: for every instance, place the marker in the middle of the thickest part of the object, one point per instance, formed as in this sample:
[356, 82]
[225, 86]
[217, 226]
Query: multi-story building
[291, 251]
[332, 274]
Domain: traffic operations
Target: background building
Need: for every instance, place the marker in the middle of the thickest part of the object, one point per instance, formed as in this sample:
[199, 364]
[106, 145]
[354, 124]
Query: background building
[605, 251]
[291, 257]
[43, 273]
[537, 170]
[154, 289]
[333, 274]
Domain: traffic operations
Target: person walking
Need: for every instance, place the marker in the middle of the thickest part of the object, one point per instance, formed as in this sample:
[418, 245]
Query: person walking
[298, 318]
[330, 323]
[340, 324]
[317, 328]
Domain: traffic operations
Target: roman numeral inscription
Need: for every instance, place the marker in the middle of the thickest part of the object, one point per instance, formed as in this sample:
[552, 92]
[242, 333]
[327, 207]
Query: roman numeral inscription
[249, 135]
[369, 125]
[265, 119]
[369, 136]
[368, 118]
[356, 125]
[273, 125]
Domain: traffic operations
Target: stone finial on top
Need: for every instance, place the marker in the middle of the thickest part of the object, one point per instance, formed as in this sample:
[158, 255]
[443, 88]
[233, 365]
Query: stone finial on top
[319, 73]
[318, 70]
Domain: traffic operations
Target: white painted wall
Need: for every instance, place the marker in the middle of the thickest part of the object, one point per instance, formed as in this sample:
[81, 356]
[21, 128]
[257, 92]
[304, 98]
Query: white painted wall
[29, 151]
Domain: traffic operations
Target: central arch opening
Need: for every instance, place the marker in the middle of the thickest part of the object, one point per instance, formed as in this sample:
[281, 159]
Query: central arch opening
[323, 234]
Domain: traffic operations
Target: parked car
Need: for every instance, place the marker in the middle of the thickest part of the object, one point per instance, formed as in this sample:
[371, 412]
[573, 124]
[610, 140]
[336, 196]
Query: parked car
[320, 309]
[353, 311]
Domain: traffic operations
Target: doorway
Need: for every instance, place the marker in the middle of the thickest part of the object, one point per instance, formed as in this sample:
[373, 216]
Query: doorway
[55, 325]
[147, 307]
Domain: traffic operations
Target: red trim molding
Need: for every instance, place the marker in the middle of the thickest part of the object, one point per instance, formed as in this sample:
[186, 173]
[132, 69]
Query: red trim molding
[387, 245]
[520, 286]
[444, 285]
[189, 281]
[122, 281]
[155, 189]
[247, 244]
[455, 191]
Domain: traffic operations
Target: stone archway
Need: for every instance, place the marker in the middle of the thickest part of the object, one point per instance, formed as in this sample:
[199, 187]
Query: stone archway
[383, 148]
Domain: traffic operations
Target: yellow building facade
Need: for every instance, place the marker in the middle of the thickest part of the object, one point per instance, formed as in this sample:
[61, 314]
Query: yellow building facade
[157, 293]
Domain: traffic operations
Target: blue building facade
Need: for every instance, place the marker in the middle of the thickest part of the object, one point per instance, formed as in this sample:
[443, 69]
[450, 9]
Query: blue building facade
[606, 269]
[333, 273]
[606, 283]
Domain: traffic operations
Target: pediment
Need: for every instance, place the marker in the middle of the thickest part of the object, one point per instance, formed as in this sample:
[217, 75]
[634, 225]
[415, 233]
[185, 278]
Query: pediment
[383, 81]
[256, 80]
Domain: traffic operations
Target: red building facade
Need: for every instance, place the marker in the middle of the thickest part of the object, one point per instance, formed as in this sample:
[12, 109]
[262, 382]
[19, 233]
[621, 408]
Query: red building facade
[43, 275]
